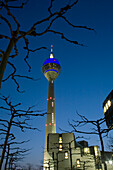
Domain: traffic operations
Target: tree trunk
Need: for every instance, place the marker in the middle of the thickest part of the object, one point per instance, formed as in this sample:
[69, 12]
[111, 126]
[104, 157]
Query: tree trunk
[102, 146]
[5, 168]
[5, 58]
[70, 154]
[6, 140]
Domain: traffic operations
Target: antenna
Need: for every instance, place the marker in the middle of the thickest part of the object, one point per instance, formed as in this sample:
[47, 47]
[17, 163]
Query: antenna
[51, 55]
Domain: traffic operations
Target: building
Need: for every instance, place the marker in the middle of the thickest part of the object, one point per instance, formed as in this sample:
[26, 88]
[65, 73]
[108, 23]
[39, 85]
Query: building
[109, 159]
[108, 110]
[67, 154]
[62, 152]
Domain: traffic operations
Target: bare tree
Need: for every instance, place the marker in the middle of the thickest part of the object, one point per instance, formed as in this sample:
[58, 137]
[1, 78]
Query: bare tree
[97, 130]
[17, 33]
[18, 118]
[15, 153]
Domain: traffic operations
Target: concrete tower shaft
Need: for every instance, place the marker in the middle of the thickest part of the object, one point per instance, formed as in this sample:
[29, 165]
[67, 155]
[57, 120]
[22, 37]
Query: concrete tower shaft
[51, 69]
[51, 121]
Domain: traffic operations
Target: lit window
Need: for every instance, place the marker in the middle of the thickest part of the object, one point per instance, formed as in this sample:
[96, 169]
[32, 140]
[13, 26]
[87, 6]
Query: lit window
[60, 139]
[97, 151]
[60, 147]
[52, 104]
[52, 117]
[105, 109]
[109, 103]
[86, 150]
[107, 106]
[78, 163]
[66, 155]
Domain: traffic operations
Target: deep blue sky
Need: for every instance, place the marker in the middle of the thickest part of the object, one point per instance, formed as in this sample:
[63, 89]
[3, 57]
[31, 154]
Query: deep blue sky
[86, 76]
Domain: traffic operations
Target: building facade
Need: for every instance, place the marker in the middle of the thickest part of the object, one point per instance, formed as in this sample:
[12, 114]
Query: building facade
[67, 154]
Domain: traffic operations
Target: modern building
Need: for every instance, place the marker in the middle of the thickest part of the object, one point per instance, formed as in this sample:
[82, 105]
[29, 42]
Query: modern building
[67, 154]
[108, 110]
[109, 160]
[62, 152]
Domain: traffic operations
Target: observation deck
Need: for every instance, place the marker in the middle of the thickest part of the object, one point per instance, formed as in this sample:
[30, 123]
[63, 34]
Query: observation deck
[51, 68]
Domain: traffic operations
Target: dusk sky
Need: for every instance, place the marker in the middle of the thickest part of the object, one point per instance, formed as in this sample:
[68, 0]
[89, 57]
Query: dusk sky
[86, 76]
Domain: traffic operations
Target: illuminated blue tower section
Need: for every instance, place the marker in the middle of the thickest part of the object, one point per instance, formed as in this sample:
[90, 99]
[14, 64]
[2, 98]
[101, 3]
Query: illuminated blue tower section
[51, 69]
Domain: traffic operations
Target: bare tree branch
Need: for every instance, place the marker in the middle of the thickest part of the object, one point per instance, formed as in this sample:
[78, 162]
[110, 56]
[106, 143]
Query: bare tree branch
[77, 26]
[8, 23]
[96, 131]
[49, 9]
[63, 37]
[4, 36]
[20, 6]
[15, 120]
[17, 34]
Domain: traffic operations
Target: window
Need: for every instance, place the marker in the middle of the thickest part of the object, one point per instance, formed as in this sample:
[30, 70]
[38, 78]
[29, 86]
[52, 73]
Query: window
[60, 139]
[78, 163]
[66, 155]
[52, 117]
[86, 150]
[60, 147]
[107, 106]
[96, 151]
[52, 104]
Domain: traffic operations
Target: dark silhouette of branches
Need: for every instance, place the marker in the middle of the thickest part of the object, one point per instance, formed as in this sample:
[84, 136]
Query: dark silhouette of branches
[97, 130]
[17, 33]
[15, 153]
[19, 118]
[110, 143]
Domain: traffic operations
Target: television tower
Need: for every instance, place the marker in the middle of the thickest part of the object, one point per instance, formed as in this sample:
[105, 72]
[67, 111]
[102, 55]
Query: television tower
[51, 69]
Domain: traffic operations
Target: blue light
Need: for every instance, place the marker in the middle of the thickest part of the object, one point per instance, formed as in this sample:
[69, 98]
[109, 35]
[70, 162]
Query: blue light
[51, 60]
[51, 70]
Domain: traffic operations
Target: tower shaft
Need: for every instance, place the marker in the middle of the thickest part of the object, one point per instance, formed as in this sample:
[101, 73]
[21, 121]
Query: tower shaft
[50, 121]
[51, 69]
